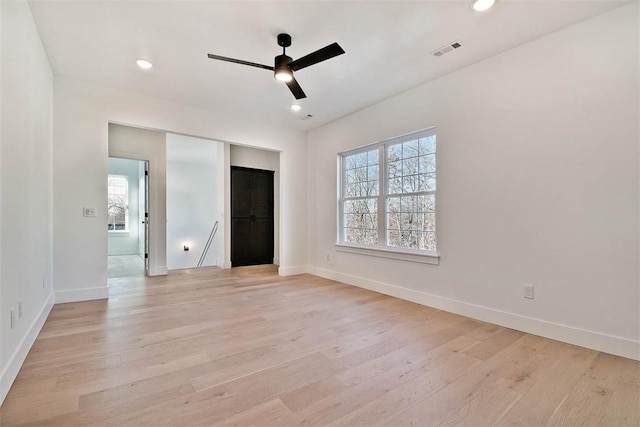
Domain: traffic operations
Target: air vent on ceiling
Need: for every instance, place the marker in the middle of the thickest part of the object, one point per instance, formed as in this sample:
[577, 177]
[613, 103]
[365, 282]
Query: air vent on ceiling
[446, 49]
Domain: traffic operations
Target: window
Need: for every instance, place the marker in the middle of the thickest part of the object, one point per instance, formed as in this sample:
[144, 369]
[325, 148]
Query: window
[388, 194]
[118, 203]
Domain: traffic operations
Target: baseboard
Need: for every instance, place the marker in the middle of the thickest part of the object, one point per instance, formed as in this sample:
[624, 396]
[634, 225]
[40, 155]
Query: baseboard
[290, 271]
[224, 264]
[86, 294]
[158, 270]
[16, 360]
[618, 346]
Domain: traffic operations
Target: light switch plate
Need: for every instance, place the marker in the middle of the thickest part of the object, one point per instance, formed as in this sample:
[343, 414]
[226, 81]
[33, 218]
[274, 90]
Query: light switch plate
[88, 212]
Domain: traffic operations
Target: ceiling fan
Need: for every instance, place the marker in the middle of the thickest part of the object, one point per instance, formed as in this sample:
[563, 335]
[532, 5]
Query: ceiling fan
[285, 66]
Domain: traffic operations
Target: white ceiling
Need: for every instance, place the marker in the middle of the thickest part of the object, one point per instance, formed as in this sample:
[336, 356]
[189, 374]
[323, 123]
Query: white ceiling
[387, 44]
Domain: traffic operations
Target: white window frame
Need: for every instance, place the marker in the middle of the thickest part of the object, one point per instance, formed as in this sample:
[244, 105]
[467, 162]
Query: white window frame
[126, 215]
[382, 249]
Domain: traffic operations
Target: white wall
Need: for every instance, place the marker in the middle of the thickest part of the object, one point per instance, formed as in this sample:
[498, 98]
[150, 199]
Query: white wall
[266, 160]
[126, 242]
[194, 203]
[148, 145]
[26, 106]
[537, 184]
[83, 112]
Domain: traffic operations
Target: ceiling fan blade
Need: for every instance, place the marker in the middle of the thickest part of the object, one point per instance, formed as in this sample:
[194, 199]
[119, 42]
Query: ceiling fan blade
[239, 61]
[319, 55]
[295, 89]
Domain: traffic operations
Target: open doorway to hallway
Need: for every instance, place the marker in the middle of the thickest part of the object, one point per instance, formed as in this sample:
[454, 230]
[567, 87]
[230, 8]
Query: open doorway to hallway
[127, 226]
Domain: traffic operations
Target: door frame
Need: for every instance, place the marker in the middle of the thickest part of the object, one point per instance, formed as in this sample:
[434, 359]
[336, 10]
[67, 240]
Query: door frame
[147, 208]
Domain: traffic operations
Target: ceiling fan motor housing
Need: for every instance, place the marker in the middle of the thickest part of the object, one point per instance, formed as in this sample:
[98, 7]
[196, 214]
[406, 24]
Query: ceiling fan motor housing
[281, 66]
[282, 61]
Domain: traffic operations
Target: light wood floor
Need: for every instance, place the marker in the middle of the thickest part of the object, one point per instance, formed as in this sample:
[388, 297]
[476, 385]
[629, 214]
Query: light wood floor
[246, 347]
[125, 266]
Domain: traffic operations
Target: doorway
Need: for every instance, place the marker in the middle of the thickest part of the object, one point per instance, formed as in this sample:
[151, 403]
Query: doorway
[128, 217]
[252, 216]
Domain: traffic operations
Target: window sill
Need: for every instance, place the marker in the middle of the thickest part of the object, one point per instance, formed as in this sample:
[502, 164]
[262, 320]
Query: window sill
[118, 233]
[399, 254]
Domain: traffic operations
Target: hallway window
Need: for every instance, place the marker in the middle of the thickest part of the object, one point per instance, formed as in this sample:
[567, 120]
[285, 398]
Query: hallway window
[118, 203]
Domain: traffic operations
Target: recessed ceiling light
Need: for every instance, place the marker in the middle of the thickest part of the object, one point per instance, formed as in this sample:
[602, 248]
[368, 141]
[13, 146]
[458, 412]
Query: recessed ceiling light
[144, 64]
[296, 107]
[480, 5]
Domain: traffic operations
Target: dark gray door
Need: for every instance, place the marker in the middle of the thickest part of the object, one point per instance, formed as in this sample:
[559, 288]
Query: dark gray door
[251, 216]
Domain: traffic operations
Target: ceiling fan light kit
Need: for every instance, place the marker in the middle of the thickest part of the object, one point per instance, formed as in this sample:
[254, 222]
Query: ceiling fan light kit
[284, 65]
[282, 70]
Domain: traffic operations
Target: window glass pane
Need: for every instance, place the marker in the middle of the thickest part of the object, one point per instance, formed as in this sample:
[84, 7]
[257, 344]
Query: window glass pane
[426, 203]
[350, 176]
[372, 157]
[350, 190]
[372, 173]
[410, 166]
[428, 163]
[361, 221]
[360, 159]
[410, 184]
[394, 169]
[117, 203]
[427, 182]
[410, 149]
[408, 239]
[349, 162]
[427, 145]
[395, 185]
[394, 152]
[361, 175]
[427, 241]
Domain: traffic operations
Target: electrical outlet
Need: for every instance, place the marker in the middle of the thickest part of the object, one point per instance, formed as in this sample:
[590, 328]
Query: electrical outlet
[13, 318]
[528, 291]
[19, 309]
[88, 212]
[328, 257]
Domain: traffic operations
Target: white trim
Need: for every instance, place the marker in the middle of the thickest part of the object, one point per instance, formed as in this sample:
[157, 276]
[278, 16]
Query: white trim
[386, 252]
[85, 294]
[619, 346]
[224, 264]
[16, 360]
[290, 271]
[158, 270]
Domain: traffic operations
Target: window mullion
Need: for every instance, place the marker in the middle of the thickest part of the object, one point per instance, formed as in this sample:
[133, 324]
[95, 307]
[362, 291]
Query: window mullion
[343, 178]
[382, 192]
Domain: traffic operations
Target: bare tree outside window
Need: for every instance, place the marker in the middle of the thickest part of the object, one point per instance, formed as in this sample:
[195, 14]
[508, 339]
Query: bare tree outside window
[117, 203]
[388, 193]
[361, 189]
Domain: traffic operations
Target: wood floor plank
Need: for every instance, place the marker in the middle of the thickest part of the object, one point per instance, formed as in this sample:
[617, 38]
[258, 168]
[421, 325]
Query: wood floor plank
[247, 347]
